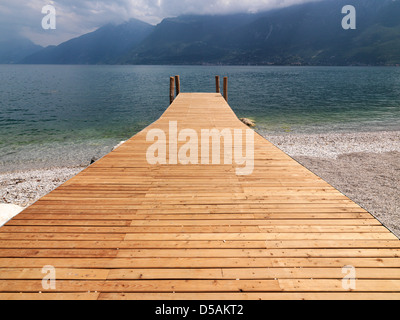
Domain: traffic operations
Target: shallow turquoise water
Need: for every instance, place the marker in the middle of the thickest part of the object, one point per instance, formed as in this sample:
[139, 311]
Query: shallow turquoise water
[63, 115]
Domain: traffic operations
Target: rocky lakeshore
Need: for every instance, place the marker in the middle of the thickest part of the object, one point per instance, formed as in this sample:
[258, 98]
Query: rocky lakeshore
[19, 190]
[363, 166]
[26, 187]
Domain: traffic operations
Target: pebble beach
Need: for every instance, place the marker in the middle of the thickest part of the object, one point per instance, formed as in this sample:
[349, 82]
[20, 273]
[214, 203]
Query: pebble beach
[363, 166]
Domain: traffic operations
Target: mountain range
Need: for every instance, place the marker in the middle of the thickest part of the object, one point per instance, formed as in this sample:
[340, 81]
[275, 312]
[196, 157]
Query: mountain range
[306, 34]
[14, 50]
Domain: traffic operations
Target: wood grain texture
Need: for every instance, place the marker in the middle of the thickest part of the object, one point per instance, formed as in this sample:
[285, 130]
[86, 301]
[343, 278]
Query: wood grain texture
[125, 229]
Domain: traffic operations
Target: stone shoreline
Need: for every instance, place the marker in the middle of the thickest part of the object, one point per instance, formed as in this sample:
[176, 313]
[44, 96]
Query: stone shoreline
[363, 166]
[26, 187]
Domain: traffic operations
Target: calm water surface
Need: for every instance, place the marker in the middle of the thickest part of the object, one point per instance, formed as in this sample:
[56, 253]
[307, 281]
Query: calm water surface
[64, 115]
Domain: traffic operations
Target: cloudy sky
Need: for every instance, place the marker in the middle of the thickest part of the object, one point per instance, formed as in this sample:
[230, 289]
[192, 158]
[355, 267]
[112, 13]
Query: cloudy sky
[76, 17]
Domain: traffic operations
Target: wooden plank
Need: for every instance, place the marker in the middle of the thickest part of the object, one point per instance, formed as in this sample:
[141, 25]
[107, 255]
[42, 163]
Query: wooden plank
[198, 253]
[260, 236]
[122, 221]
[61, 274]
[251, 273]
[218, 229]
[49, 296]
[289, 285]
[256, 253]
[210, 262]
[249, 296]
[205, 244]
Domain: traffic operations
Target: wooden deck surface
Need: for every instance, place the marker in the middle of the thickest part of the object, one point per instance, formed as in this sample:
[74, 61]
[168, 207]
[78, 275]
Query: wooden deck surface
[124, 229]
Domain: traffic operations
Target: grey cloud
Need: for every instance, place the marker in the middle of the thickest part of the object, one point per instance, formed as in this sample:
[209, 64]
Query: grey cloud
[76, 17]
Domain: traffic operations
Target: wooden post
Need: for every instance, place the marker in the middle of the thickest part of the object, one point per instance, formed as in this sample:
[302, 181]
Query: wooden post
[171, 89]
[178, 85]
[217, 84]
[226, 88]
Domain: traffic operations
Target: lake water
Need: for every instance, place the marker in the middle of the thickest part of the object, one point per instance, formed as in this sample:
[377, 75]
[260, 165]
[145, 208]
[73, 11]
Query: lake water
[63, 115]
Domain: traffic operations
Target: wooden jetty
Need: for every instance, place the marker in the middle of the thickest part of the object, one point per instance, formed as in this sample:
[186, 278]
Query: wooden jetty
[125, 229]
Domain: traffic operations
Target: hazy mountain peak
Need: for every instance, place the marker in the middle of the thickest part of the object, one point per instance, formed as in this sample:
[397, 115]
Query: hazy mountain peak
[103, 46]
[13, 50]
